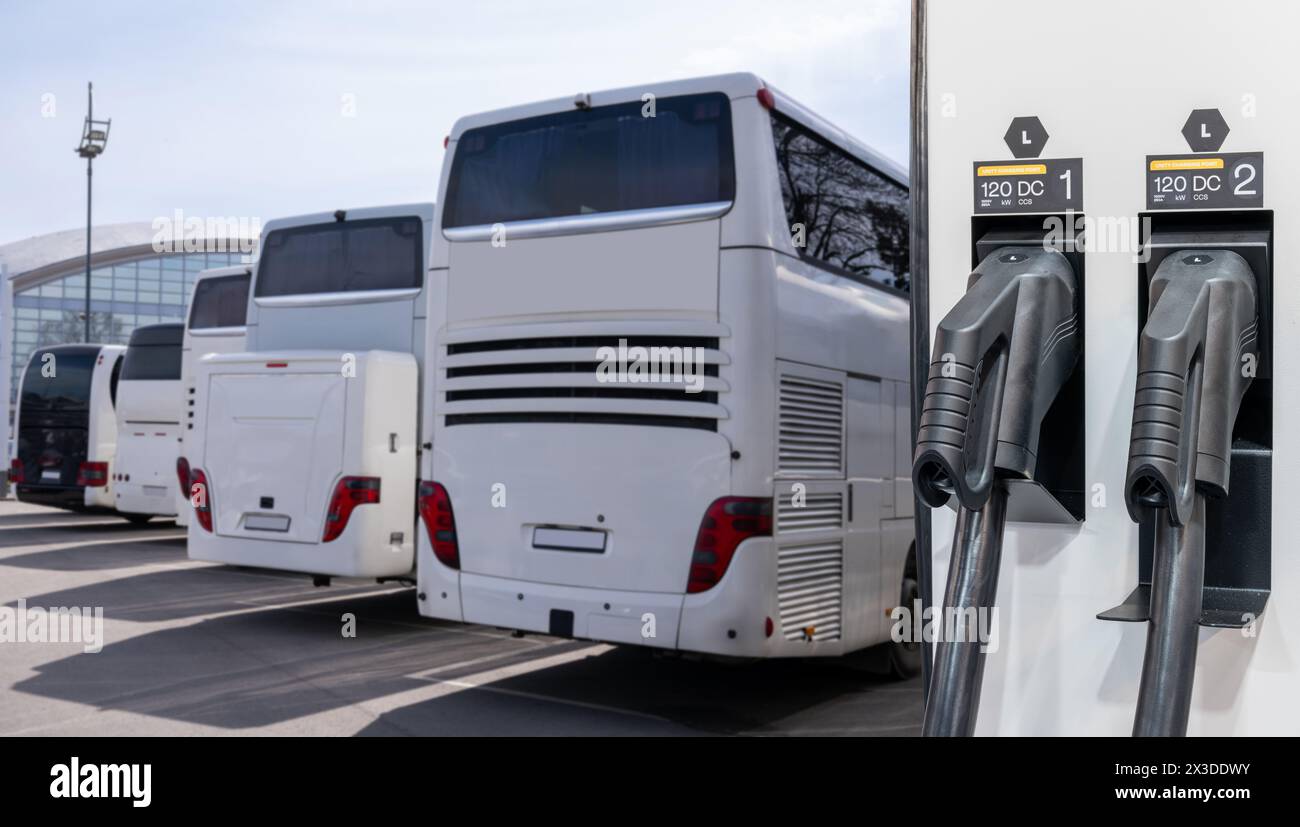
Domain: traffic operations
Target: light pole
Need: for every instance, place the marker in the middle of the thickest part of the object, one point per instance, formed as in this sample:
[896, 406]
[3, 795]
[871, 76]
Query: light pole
[94, 139]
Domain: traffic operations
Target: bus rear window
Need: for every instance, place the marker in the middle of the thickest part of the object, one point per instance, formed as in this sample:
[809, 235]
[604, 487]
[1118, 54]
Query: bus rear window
[220, 302]
[342, 257]
[606, 159]
[153, 353]
[57, 381]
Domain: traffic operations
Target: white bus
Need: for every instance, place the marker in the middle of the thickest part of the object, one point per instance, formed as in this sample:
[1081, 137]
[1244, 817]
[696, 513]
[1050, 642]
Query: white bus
[756, 503]
[303, 453]
[66, 427]
[149, 423]
[215, 324]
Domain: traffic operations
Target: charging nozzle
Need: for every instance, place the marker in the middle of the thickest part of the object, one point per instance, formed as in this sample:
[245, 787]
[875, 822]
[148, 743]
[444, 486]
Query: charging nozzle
[1000, 358]
[1195, 361]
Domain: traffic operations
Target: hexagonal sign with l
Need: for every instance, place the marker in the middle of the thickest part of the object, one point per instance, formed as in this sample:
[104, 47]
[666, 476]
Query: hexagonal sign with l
[1205, 130]
[1026, 137]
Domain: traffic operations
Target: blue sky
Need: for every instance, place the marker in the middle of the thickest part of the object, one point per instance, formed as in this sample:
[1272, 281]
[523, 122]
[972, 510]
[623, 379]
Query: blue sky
[239, 108]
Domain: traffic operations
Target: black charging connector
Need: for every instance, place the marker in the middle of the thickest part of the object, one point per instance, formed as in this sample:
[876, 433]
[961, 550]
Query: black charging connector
[1238, 528]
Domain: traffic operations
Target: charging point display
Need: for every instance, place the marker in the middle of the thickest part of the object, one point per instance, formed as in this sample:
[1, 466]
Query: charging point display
[1227, 180]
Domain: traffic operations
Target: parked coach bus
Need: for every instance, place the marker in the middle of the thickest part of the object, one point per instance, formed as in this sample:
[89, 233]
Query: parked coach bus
[214, 324]
[303, 453]
[670, 404]
[66, 427]
[149, 423]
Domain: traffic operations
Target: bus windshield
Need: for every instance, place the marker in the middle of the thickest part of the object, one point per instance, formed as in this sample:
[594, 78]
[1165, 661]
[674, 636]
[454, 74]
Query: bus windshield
[341, 257]
[662, 153]
[220, 302]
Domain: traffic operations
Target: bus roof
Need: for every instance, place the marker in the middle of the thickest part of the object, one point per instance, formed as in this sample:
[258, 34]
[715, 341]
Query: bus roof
[72, 349]
[735, 86]
[422, 209]
[168, 333]
[218, 272]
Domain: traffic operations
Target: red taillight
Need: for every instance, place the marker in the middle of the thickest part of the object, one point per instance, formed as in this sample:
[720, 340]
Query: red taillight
[201, 498]
[728, 522]
[446, 139]
[440, 522]
[348, 494]
[16, 471]
[93, 474]
[277, 364]
[766, 99]
[183, 473]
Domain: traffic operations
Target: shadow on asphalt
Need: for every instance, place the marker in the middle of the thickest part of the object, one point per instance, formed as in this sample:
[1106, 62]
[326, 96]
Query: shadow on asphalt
[261, 662]
[269, 666]
[103, 556]
[195, 591]
[762, 697]
[71, 531]
[272, 665]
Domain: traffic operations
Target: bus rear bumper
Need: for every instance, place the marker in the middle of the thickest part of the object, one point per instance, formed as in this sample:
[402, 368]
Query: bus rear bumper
[729, 620]
[138, 499]
[71, 498]
[348, 556]
[638, 618]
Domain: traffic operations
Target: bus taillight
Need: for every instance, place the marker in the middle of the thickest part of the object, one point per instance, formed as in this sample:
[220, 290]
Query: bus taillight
[440, 522]
[348, 494]
[183, 473]
[201, 498]
[93, 474]
[16, 471]
[727, 523]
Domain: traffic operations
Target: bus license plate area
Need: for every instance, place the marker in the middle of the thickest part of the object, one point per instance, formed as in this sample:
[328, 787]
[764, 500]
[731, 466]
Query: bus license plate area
[569, 539]
[266, 522]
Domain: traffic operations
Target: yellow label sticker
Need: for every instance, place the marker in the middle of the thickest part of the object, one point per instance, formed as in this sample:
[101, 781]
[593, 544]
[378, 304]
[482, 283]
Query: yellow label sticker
[1012, 169]
[1163, 165]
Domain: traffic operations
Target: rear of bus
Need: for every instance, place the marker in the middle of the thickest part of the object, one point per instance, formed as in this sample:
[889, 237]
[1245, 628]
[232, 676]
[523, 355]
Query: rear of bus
[215, 324]
[303, 456]
[66, 430]
[149, 423]
[631, 511]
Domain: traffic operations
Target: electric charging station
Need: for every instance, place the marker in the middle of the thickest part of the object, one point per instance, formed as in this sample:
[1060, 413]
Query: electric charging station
[1119, 509]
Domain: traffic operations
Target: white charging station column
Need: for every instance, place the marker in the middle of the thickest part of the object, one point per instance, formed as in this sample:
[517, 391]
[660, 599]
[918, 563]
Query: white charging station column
[1153, 114]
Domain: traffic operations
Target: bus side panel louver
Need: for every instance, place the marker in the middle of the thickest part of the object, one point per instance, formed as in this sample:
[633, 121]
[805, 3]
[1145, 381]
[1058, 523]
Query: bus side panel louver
[810, 427]
[810, 583]
[810, 512]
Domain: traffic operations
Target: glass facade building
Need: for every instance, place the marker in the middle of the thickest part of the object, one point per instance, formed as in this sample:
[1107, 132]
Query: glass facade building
[140, 273]
[123, 296]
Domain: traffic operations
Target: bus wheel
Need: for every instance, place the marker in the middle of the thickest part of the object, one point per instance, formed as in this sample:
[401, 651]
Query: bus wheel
[138, 519]
[905, 658]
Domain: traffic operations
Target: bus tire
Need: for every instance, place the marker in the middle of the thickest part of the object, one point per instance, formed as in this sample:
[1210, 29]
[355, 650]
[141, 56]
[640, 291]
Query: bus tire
[905, 658]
